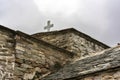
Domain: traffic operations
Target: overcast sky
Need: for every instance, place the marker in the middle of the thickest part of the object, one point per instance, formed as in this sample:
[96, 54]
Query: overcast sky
[97, 18]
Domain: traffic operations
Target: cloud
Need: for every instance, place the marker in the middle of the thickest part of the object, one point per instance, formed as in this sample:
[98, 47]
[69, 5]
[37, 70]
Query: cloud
[58, 6]
[112, 33]
[20, 14]
[97, 18]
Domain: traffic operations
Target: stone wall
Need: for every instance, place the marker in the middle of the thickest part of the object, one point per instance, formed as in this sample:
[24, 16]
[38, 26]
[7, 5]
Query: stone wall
[73, 41]
[36, 59]
[109, 75]
[7, 58]
[60, 40]
[81, 46]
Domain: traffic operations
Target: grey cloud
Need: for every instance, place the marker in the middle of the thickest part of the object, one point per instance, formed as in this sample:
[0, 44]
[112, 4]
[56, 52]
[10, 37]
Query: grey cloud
[98, 18]
[20, 14]
[112, 33]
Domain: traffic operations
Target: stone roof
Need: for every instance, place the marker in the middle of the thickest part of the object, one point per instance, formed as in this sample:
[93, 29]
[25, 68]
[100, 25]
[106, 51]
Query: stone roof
[72, 30]
[106, 60]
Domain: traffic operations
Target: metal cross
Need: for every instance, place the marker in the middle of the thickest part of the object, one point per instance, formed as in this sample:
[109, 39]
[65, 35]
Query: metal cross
[49, 26]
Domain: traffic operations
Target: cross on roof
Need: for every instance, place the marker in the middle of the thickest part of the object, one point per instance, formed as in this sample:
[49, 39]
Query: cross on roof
[49, 26]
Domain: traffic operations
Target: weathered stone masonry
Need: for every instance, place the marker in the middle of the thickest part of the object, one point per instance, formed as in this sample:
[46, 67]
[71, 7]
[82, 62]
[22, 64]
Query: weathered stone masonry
[72, 40]
[103, 66]
[24, 57]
